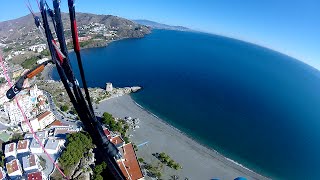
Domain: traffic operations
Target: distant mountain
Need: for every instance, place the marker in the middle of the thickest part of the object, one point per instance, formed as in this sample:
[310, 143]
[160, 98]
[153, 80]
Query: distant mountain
[156, 25]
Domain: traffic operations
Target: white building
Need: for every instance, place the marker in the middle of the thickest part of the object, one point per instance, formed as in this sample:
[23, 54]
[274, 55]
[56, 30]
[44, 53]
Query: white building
[28, 136]
[23, 146]
[42, 134]
[14, 112]
[14, 168]
[42, 60]
[53, 146]
[30, 163]
[10, 150]
[109, 87]
[3, 174]
[45, 119]
[37, 48]
[35, 146]
[34, 124]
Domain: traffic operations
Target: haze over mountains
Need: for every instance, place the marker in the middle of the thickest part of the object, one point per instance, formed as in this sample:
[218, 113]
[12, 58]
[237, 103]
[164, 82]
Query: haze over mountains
[157, 25]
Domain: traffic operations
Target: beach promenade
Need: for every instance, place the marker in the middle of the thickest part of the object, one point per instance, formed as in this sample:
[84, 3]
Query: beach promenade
[156, 136]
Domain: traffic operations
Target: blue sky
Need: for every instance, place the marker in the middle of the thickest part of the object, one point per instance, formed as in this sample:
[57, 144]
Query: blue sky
[289, 26]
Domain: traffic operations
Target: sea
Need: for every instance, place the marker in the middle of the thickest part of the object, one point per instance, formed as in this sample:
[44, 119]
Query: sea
[254, 105]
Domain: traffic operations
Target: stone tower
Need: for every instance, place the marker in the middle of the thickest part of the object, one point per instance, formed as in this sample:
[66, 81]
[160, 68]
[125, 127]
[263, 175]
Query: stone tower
[109, 87]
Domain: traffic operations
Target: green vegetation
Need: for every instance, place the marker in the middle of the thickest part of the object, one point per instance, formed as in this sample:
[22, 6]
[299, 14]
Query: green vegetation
[86, 43]
[64, 108]
[98, 169]
[99, 36]
[42, 163]
[164, 158]
[154, 171]
[2, 80]
[78, 144]
[7, 49]
[45, 52]
[1, 159]
[120, 126]
[16, 137]
[141, 160]
[29, 63]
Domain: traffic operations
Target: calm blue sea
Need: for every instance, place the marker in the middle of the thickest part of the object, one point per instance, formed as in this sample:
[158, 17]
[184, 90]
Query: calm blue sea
[252, 104]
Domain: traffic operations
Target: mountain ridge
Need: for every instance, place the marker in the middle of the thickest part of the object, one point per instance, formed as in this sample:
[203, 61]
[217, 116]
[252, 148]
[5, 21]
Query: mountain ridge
[156, 25]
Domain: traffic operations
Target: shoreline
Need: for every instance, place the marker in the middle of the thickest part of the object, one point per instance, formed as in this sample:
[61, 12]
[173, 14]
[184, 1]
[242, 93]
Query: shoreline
[218, 164]
[200, 147]
[192, 139]
[212, 153]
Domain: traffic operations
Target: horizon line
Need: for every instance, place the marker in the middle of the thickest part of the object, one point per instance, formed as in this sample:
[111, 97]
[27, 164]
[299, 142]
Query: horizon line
[211, 33]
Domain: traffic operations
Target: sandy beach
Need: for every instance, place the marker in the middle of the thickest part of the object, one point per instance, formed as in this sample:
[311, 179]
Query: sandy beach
[198, 162]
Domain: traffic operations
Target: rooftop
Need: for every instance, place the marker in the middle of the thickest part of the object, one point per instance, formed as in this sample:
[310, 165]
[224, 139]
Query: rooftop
[63, 130]
[2, 173]
[35, 144]
[12, 166]
[29, 161]
[42, 134]
[43, 115]
[106, 132]
[10, 147]
[57, 123]
[35, 176]
[23, 144]
[53, 144]
[28, 136]
[130, 162]
[116, 140]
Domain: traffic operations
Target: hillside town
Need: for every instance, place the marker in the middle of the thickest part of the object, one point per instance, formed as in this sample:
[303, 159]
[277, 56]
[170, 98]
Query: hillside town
[35, 127]
[25, 156]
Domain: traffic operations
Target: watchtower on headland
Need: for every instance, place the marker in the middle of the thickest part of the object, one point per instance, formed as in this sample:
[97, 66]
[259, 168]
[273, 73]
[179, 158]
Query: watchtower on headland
[109, 87]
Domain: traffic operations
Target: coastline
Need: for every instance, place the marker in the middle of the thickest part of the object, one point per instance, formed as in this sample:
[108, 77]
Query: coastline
[227, 168]
[208, 149]
[153, 129]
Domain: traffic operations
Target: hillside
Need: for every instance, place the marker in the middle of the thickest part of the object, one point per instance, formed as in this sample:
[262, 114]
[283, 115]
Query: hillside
[22, 31]
[156, 25]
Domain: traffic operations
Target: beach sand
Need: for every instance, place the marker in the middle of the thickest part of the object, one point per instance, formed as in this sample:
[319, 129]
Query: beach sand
[198, 162]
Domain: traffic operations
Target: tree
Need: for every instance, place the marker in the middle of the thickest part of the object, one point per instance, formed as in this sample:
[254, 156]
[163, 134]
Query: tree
[170, 163]
[45, 52]
[16, 137]
[126, 139]
[78, 144]
[107, 118]
[2, 80]
[64, 108]
[2, 159]
[98, 177]
[98, 169]
[43, 162]
[162, 155]
[176, 166]
[140, 160]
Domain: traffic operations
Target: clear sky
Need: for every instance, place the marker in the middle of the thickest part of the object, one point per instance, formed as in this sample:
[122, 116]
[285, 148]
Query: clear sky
[289, 26]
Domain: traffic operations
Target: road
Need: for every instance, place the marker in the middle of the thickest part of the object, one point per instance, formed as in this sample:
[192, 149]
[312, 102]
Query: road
[62, 117]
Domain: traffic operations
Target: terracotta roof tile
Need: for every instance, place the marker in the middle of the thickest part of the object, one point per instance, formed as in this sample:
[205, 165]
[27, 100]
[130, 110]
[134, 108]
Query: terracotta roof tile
[23, 144]
[43, 115]
[35, 176]
[116, 140]
[12, 166]
[130, 162]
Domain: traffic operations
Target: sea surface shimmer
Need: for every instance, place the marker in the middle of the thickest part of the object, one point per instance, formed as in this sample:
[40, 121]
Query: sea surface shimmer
[251, 104]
